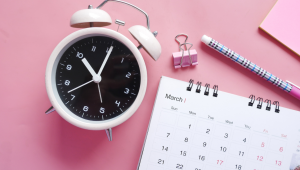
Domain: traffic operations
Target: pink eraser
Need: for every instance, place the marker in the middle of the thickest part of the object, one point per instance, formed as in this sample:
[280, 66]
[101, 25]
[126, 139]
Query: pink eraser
[186, 59]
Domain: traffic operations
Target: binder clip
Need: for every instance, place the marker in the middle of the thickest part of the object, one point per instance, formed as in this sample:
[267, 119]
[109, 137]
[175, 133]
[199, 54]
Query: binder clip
[184, 58]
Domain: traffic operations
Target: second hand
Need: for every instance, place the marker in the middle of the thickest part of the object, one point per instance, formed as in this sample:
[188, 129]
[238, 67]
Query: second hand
[81, 86]
[99, 92]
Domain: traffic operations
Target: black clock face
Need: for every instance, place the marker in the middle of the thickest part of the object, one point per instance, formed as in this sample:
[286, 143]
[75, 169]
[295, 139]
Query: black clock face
[98, 78]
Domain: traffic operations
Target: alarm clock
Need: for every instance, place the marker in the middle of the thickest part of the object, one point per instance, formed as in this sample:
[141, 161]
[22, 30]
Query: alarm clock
[96, 78]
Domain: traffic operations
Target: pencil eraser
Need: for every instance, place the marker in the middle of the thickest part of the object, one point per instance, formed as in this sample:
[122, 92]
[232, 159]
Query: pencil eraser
[295, 92]
[206, 39]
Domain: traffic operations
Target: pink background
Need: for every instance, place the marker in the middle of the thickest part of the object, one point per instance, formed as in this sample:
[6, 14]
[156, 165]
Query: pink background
[31, 29]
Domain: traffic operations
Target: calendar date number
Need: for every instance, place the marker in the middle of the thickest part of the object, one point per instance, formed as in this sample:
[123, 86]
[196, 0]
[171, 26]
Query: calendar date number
[179, 166]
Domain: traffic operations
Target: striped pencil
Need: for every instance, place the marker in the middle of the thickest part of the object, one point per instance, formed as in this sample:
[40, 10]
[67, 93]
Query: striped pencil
[286, 86]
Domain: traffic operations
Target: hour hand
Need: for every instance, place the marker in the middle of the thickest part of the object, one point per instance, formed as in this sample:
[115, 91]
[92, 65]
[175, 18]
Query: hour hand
[89, 67]
[105, 60]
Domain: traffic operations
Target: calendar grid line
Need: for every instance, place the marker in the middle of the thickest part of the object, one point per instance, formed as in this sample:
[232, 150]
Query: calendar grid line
[215, 138]
[279, 137]
[224, 123]
[205, 118]
[170, 110]
[242, 128]
[261, 132]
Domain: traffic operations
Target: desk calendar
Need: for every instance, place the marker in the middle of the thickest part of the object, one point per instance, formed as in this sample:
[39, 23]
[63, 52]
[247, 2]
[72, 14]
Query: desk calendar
[193, 131]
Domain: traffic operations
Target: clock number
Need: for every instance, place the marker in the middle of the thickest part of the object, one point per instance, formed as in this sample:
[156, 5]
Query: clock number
[117, 103]
[85, 108]
[102, 110]
[186, 139]
[204, 144]
[79, 55]
[69, 67]
[207, 131]
[126, 90]
[67, 82]
[226, 135]
[168, 134]
[241, 153]
[94, 48]
[245, 140]
[72, 96]
[128, 75]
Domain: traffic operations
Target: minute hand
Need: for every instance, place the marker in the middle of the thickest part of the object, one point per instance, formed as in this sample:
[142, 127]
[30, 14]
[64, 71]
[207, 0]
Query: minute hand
[105, 60]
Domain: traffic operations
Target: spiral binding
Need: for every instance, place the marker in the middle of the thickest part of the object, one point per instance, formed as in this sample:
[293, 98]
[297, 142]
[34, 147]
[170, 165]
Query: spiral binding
[252, 97]
[198, 88]
[260, 103]
[215, 94]
[206, 92]
[189, 88]
[276, 103]
[268, 108]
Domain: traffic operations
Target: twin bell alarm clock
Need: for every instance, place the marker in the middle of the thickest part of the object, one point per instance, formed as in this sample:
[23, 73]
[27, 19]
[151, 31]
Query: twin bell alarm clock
[96, 78]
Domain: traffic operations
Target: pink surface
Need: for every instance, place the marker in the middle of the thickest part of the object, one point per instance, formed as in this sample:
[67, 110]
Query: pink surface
[30, 30]
[283, 23]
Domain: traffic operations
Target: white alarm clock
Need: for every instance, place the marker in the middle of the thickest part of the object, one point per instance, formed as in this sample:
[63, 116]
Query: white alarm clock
[96, 78]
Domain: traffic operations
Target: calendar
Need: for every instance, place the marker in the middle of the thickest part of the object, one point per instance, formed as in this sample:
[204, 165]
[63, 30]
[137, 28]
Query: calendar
[194, 127]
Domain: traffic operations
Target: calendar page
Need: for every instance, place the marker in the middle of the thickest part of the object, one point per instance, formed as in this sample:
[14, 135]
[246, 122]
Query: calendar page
[192, 131]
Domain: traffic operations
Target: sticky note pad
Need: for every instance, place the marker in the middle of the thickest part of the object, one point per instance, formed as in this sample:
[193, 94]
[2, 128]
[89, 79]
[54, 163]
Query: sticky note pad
[283, 24]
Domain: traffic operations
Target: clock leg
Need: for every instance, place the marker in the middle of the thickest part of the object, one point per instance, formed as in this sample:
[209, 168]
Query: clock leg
[109, 134]
[51, 109]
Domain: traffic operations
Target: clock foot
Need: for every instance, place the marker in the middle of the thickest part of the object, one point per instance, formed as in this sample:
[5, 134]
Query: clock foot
[109, 134]
[51, 109]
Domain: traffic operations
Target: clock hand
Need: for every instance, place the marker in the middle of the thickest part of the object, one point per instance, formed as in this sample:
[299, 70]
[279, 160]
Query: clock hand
[80, 86]
[105, 60]
[89, 67]
[101, 68]
[99, 92]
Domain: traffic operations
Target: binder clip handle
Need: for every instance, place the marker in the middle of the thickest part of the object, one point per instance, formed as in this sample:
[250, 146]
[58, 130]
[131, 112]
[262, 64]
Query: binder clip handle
[179, 41]
[184, 58]
[187, 50]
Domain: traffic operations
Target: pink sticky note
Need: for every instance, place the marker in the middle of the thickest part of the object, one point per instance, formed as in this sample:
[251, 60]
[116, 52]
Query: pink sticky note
[283, 24]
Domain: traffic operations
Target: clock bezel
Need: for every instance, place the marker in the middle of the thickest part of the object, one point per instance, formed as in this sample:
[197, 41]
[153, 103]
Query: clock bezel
[51, 88]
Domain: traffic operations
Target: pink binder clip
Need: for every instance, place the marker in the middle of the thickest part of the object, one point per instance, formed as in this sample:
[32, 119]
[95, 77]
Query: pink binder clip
[184, 58]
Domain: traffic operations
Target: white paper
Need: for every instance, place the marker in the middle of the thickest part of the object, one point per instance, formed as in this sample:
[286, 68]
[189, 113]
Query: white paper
[191, 131]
